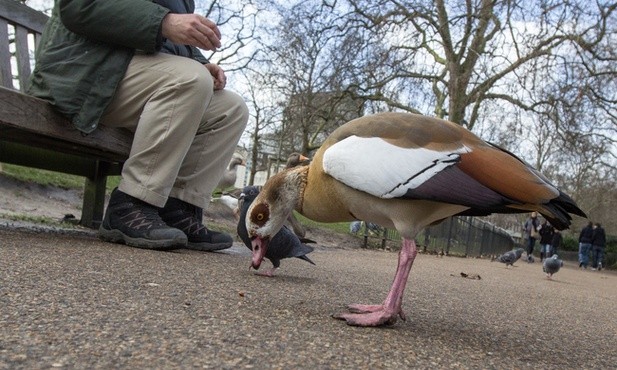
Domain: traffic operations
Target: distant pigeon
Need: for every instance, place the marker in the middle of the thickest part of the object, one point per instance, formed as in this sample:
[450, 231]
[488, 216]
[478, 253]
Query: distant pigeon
[530, 258]
[552, 265]
[285, 244]
[510, 257]
[355, 226]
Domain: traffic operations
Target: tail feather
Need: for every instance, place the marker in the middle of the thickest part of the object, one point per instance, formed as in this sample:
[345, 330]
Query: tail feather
[305, 258]
[558, 210]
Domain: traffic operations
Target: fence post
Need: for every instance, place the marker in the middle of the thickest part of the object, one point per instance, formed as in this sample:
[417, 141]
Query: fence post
[468, 238]
[450, 226]
[427, 238]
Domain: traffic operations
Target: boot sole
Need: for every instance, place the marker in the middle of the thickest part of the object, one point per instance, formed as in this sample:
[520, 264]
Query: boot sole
[208, 247]
[116, 236]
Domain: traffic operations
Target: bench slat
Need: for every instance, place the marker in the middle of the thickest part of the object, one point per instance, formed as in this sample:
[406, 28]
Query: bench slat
[23, 15]
[6, 75]
[22, 54]
[112, 144]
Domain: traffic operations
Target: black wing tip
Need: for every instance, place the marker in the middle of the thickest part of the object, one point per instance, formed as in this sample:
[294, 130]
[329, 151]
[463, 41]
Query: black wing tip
[560, 209]
[305, 258]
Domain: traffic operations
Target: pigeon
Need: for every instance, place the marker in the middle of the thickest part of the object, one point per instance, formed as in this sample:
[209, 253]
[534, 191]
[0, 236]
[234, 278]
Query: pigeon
[552, 265]
[355, 226]
[530, 259]
[403, 171]
[285, 244]
[510, 257]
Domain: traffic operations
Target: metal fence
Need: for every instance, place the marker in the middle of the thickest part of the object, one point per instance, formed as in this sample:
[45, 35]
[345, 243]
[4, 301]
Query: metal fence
[463, 236]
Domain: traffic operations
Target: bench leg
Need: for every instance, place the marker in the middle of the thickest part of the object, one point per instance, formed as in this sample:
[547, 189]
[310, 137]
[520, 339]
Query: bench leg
[94, 198]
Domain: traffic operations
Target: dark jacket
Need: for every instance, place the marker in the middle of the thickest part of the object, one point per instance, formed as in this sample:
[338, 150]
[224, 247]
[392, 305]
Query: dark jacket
[86, 48]
[586, 235]
[556, 242]
[546, 234]
[598, 238]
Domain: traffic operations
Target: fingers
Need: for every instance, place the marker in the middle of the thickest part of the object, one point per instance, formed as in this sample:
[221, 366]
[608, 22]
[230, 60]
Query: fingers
[220, 80]
[191, 29]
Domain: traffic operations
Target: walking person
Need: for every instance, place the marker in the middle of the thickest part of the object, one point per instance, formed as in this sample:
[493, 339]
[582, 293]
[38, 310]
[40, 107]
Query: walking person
[531, 234]
[136, 65]
[598, 243]
[556, 242]
[584, 245]
[546, 237]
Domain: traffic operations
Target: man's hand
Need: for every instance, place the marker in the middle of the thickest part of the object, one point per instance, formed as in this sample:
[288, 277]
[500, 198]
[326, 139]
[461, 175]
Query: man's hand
[191, 29]
[219, 76]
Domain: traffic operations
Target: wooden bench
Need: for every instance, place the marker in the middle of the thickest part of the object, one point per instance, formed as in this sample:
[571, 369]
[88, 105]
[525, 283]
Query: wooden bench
[32, 134]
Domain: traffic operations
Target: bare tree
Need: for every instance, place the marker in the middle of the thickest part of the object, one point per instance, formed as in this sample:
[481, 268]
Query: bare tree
[265, 114]
[466, 53]
[238, 21]
[313, 59]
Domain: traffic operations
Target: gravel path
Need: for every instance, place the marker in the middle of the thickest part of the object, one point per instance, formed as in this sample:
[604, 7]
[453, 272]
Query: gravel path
[71, 301]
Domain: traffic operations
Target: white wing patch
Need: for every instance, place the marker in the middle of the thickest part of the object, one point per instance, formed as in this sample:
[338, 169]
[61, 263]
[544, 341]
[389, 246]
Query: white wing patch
[384, 170]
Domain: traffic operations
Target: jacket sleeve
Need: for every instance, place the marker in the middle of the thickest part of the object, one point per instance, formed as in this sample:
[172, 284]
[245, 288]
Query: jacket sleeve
[198, 56]
[134, 24]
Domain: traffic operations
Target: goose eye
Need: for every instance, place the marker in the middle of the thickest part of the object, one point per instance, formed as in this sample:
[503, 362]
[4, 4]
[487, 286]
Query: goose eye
[260, 214]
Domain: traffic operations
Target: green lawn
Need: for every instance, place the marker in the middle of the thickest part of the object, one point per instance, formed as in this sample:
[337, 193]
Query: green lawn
[51, 178]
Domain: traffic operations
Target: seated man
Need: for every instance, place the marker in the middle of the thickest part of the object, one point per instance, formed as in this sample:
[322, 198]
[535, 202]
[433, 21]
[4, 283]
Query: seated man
[135, 64]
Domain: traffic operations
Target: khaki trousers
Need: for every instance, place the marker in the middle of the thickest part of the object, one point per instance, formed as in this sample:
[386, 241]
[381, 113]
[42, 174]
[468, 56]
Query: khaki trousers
[185, 132]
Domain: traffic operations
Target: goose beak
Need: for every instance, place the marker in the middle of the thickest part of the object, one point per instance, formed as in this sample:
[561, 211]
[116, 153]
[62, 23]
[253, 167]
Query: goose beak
[259, 246]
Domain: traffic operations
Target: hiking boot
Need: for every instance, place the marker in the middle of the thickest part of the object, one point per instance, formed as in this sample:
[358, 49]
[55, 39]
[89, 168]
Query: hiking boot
[136, 223]
[187, 217]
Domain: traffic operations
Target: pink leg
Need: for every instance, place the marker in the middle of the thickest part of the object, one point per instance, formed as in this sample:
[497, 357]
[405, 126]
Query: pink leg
[387, 313]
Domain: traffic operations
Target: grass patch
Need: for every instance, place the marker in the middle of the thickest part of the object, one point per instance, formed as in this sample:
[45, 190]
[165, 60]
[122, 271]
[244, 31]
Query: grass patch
[35, 219]
[339, 227]
[51, 178]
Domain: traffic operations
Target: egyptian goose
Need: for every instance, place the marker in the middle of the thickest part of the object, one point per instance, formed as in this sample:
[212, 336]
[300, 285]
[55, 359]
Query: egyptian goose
[285, 244]
[295, 160]
[229, 177]
[402, 171]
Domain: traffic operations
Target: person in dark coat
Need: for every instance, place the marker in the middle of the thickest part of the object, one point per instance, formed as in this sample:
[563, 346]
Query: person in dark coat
[598, 243]
[556, 242]
[584, 245]
[546, 237]
[531, 233]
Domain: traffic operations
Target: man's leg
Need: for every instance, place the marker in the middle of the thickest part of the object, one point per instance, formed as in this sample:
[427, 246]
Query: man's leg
[162, 99]
[223, 123]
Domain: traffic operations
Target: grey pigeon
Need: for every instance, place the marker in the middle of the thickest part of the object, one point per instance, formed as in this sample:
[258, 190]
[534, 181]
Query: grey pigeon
[510, 257]
[552, 265]
[285, 244]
